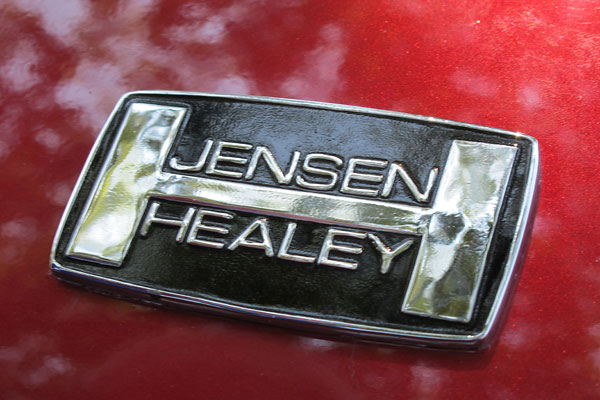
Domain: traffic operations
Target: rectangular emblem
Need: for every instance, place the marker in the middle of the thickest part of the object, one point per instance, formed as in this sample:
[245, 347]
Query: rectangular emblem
[384, 225]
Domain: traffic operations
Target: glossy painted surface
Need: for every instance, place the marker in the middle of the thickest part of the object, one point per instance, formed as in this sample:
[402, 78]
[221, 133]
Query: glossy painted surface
[525, 66]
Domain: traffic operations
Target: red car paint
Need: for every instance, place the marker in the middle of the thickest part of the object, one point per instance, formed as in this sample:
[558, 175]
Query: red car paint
[523, 66]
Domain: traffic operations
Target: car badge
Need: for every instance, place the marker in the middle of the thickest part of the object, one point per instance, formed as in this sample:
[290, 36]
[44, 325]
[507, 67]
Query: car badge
[377, 224]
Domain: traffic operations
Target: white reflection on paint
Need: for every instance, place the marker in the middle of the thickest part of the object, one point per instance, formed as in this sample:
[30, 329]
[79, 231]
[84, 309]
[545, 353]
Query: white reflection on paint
[11, 354]
[10, 254]
[18, 73]
[594, 331]
[317, 344]
[4, 148]
[211, 31]
[130, 55]
[319, 76]
[426, 380]
[91, 90]
[9, 117]
[22, 229]
[60, 19]
[194, 10]
[471, 83]
[59, 193]
[209, 26]
[33, 361]
[595, 355]
[136, 8]
[234, 84]
[51, 367]
[519, 335]
[530, 97]
[49, 139]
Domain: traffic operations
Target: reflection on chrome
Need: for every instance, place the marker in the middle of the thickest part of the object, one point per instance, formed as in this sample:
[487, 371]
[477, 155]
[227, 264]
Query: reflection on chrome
[452, 256]
[456, 232]
[111, 214]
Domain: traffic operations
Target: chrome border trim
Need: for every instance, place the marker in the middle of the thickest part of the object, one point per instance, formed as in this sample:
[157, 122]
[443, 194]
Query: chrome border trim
[519, 244]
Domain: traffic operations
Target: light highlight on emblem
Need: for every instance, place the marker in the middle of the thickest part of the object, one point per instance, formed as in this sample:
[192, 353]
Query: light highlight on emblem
[455, 231]
[371, 223]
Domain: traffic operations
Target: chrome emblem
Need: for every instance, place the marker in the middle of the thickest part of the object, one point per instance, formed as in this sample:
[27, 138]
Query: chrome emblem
[388, 226]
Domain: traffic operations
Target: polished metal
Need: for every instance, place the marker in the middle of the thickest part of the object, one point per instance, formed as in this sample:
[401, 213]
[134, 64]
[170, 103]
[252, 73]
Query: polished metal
[175, 163]
[182, 224]
[389, 253]
[451, 260]
[283, 252]
[456, 230]
[112, 213]
[134, 173]
[457, 227]
[217, 157]
[266, 244]
[265, 153]
[307, 167]
[198, 225]
[330, 245]
[398, 168]
[352, 175]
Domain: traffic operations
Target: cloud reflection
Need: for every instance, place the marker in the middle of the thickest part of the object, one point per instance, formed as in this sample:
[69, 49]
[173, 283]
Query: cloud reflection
[472, 83]
[61, 19]
[319, 76]
[19, 73]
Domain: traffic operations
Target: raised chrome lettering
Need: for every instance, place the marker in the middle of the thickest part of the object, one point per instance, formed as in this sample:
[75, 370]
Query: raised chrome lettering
[174, 163]
[216, 157]
[333, 175]
[151, 218]
[285, 247]
[266, 244]
[198, 225]
[265, 153]
[456, 231]
[329, 245]
[387, 253]
[357, 176]
[398, 168]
